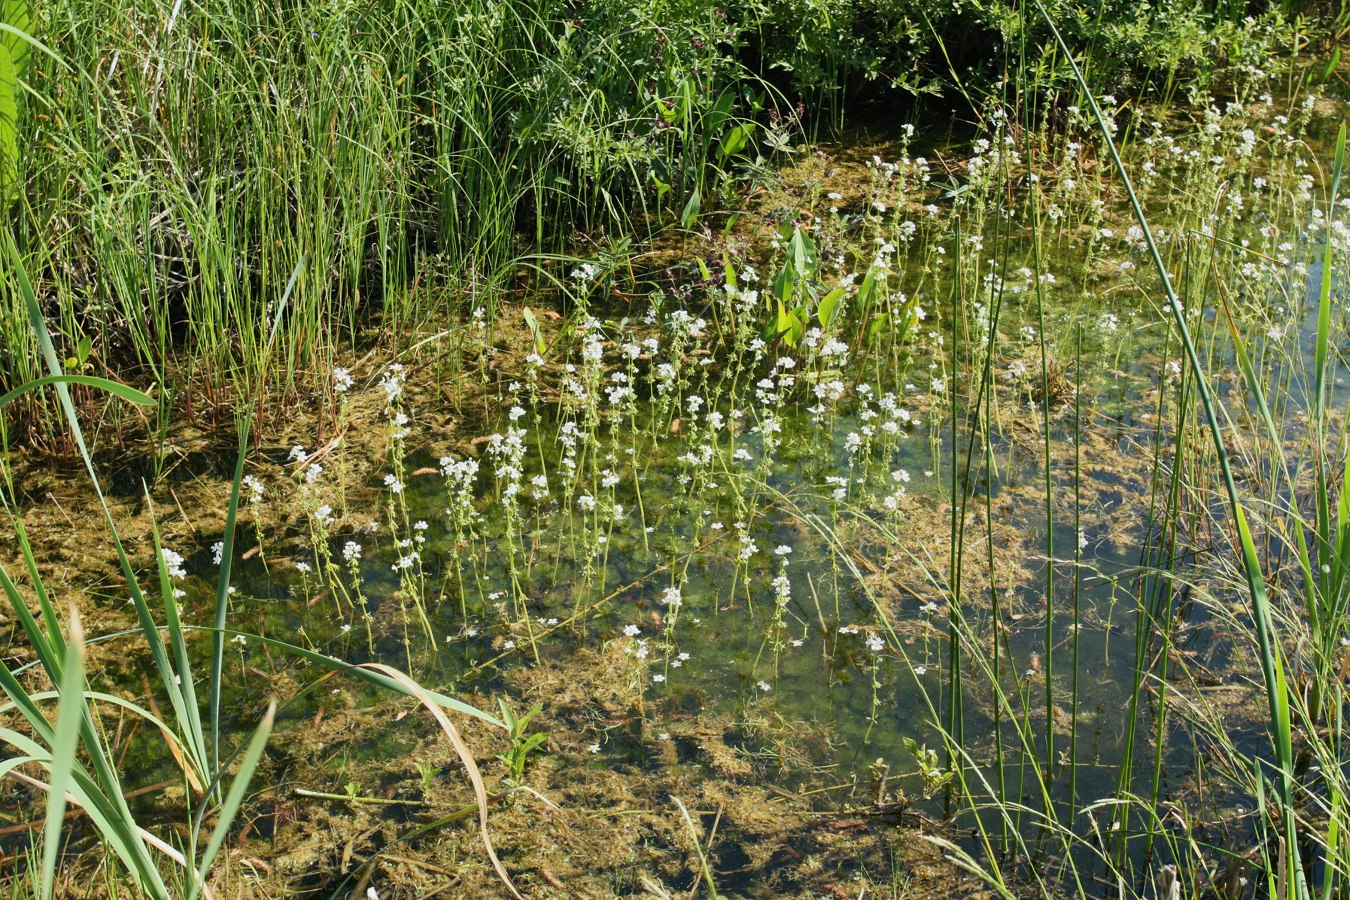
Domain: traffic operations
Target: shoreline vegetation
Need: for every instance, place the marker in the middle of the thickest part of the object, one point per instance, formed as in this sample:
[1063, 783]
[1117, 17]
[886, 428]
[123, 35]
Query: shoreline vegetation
[817, 448]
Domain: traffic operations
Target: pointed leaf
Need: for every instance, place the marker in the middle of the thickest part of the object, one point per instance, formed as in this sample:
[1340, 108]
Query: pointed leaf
[69, 716]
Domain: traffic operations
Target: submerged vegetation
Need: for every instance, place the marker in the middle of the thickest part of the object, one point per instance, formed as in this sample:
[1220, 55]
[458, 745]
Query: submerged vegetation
[759, 482]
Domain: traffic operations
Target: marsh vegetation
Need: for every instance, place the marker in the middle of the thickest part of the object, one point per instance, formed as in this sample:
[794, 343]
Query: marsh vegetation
[665, 449]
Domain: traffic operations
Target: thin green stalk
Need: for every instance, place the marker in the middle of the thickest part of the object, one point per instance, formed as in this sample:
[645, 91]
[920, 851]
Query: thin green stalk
[1272, 664]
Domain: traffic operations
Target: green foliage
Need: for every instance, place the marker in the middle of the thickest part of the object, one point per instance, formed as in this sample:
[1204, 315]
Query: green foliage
[426, 774]
[830, 49]
[173, 192]
[928, 766]
[14, 52]
[77, 753]
[523, 744]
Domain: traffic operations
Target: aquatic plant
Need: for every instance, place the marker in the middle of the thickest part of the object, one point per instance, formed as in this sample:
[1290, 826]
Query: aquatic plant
[97, 789]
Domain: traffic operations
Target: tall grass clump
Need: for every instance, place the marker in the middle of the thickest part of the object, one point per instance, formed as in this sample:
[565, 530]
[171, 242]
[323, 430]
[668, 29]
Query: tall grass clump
[178, 168]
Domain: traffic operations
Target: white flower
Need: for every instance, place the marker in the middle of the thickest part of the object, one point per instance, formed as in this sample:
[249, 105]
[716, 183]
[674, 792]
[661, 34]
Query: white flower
[593, 748]
[764, 686]
[393, 483]
[217, 552]
[671, 597]
[342, 380]
[255, 488]
[875, 643]
[351, 551]
[173, 563]
[392, 382]
[631, 630]
[658, 678]
[920, 670]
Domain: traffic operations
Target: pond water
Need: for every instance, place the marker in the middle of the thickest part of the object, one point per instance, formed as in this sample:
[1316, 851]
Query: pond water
[760, 533]
[747, 549]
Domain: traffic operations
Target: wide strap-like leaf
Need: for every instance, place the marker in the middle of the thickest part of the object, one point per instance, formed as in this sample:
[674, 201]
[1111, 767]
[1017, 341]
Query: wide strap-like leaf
[15, 13]
[9, 127]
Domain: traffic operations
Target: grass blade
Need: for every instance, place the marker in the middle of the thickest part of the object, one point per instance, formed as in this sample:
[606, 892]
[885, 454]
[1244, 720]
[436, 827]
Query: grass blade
[69, 716]
[116, 388]
[234, 797]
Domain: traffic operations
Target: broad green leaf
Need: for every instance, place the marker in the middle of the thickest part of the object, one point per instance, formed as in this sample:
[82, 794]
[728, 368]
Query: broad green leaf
[785, 284]
[691, 209]
[662, 187]
[829, 307]
[735, 140]
[684, 102]
[874, 329]
[16, 15]
[797, 320]
[9, 128]
[533, 324]
[802, 253]
[717, 115]
[867, 291]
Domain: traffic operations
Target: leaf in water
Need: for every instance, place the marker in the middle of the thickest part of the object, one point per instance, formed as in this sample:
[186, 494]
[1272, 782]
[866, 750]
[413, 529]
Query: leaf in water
[829, 307]
[1332, 63]
[797, 325]
[533, 323]
[785, 283]
[802, 253]
[866, 292]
